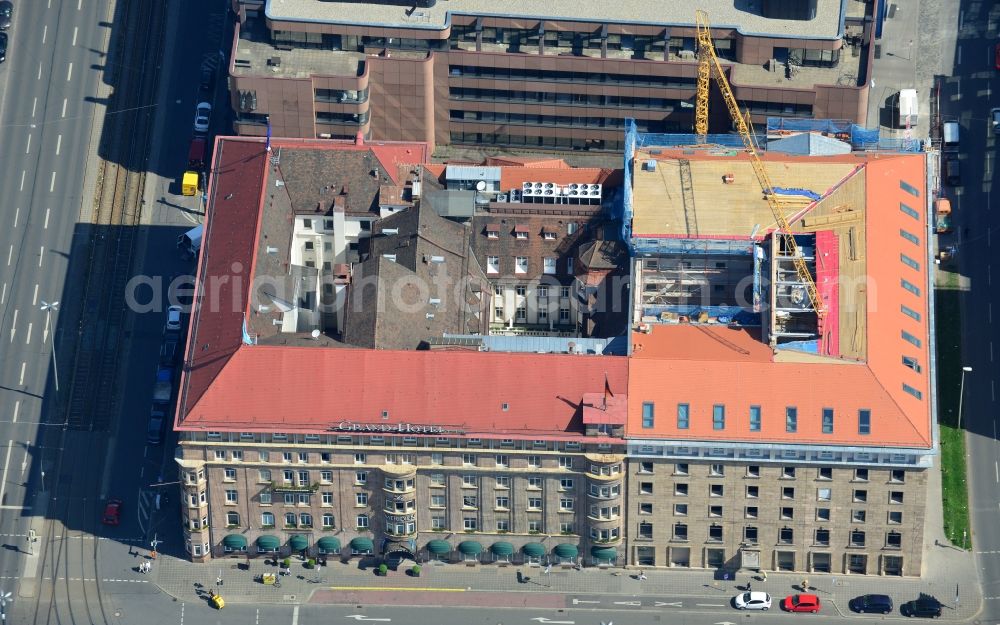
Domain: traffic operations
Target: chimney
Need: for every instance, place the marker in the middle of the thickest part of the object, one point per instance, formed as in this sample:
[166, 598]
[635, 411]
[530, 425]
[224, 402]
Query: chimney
[359, 139]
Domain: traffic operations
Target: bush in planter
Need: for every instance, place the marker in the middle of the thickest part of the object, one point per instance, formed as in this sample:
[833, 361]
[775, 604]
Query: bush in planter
[415, 570]
[286, 563]
[383, 570]
[311, 563]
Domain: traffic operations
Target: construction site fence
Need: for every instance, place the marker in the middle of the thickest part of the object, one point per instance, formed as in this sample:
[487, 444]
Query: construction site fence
[718, 315]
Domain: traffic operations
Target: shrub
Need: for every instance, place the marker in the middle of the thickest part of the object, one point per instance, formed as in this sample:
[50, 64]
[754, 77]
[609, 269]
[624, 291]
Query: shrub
[415, 570]
[311, 563]
[383, 569]
[286, 563]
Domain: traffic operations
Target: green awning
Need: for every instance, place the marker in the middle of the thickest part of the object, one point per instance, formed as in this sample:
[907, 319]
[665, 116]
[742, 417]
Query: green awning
[235, 541]
[470, 548]
[298, 542]
[329, 544]
[604, 553]
[438, 547]
[565, 551]
[533, 550]
[268, 542]
[362, 544]
[502, 549]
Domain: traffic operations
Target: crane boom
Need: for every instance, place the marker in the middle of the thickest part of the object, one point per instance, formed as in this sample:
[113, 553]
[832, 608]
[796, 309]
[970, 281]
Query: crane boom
[708, 63]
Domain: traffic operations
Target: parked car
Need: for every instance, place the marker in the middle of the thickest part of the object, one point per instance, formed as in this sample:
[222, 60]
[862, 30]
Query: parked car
[3, 47]
[112, 512]
[173, 318]
[801, 603]
[877, 604]
[996, 53]
[168, 351]
[6, 14]
[154, 428]
[952, 171]
[925, 605]
[753, 600]
[207, 79]
[202, 116]
[995, 120]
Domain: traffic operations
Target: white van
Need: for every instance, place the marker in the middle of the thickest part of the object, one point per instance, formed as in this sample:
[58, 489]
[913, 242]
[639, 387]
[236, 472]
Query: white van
[907, 104]
[949, 135]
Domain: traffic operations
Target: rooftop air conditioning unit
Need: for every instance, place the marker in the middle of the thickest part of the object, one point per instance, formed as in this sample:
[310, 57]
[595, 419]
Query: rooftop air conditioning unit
[390, 231]
[649, 165]
[515, 195]
[502, 197]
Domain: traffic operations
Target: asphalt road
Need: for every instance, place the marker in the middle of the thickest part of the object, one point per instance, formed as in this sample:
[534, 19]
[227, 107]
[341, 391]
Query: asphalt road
[969, 96]
[46, 120]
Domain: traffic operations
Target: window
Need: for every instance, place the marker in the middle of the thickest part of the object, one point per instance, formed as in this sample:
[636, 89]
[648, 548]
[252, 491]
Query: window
[791, 419]
[864, 422]
[535, 483]
[566, 504]
[469, 460]
[502, 503]
[437, 501]
[534, 462]
[437, 479]
[566, 484]
[566, 528]
[715, 511]
[750, 534]
[786, 513]
[563, 291]
[680, 531]
[716, 470]
[503, 482]
[828, 420]
[542, 291]
[909, 286]
[895, 517]
[229, 475]
[503, 525]
[912, 391]
[305, 520]
[682, 416]
[648, 414]
[287, 475]
[469, 481]
[857, 538]
[909, 188]
[788, 473]
[521, 264]
[909, 262]
[361, 521]
[860, 475]
[647, 508]
[437, 458]
[788, 492]
[753, 471]
[860, 496]
[753, 492]
[265, 498]
[303, 478]
[825, 473]
[232, 519]
[548, 235]
[492, 264]
[822, 537]
[909, 211]
[750, 512]
[755, 418]
[492, 232]
[645, 488]
[289, 499]
[327, 520]
[823, 494]
[897, 476]
[563, 315]
[786, 536]
[220, 454]
[680, 509]
[327, 498]
[681, 468]
[896, 497]
[680, 490]
[534, 503]
[290, 519]
[604, 535]
[909, 338]
[715, 490]
[520, 290]
[912, 363]
[520, 234]
[718, 417]
[303, 457]
[909, 312]
[858, 516]
[437, 523]
[267, 519]
[565, 462]
[912, 238]
[549, 265]
[502, 461]
[232, 496]
[822, 514]
[715, 533]
[470, 501]
[605, 512]
[893, 540]
[360, 458]
[571, 227]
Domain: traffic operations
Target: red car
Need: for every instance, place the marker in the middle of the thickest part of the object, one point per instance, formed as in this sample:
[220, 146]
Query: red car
[801, 603]
[112, 512]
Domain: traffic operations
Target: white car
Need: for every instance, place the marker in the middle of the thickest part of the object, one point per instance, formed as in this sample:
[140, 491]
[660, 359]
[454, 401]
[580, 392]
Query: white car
[173, 318]
[752, 601]
[201, 117]
[995, 120]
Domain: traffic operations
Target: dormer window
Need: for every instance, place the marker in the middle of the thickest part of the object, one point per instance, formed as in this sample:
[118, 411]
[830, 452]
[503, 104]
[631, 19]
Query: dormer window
[548, 234]
[521, 233]
[492, 231]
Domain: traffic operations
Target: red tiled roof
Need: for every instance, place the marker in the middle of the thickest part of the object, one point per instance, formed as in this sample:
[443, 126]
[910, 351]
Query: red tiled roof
[311, 389]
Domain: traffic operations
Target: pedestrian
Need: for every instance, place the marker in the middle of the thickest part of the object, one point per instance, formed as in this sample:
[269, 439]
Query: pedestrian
[748, 586]
[642, 576]
[149, 566]
[805, 584]
[548, 568]
[763, 576]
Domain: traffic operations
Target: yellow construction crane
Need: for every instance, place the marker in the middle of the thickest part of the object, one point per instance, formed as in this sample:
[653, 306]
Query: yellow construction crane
[708, 64]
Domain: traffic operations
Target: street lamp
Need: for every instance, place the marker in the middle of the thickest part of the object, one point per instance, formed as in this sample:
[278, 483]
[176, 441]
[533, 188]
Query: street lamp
[961, 394]
[49, 308]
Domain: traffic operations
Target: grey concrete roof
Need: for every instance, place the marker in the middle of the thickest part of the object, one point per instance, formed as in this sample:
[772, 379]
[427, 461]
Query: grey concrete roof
[723, 14]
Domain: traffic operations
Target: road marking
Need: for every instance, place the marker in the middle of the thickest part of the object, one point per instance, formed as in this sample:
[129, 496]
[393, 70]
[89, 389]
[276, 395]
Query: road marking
[58, 144]
[989, 312]
[24, 463]
[394, 589]
[28, 335]
[540, 619]
[27, 148]
[34, 298]
[75, 29]
[22, 179]
[41, 255]
[10, 255]
[635, 603]
[47, 218]
[45, 32]
[991, 351]
[3, 484]
[996, 470]
[79, 3]
[52, 183]
[17, 213]
[64, 107]
[295, 615]
[34, 103]
[17, 409]
[359, 617]
[993, 395]
[69, 73]
[663, 604]
[958, 58]
[13, 326]
[711, 605]
[39, 71]
[3, 296]
[579, 601]
[24, 365]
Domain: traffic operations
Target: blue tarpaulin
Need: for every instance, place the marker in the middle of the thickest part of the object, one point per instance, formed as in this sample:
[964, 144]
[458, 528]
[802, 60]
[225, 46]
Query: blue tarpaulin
[790, 191]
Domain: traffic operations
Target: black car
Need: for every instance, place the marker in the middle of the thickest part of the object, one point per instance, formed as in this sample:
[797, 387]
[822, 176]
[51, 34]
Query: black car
[924, 605]
[168, 351]
[207, 79]
[3, 47]
[154, 429]
[6, 14]
[952, 171]
[878, 604]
